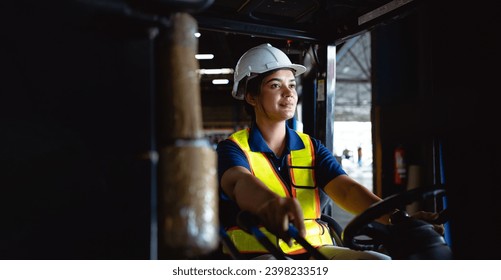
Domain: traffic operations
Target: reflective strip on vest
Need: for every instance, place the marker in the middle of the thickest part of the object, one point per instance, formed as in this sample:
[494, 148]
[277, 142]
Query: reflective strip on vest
[301, 164]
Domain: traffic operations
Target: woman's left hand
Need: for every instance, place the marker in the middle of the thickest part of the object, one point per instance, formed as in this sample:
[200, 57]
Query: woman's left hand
[430, 217]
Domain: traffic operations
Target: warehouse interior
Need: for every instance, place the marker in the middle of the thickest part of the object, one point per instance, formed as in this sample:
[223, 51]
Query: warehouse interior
[80, 134]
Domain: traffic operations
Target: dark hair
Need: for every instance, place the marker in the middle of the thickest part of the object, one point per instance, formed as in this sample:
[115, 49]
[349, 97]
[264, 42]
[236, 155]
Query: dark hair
[253, 87]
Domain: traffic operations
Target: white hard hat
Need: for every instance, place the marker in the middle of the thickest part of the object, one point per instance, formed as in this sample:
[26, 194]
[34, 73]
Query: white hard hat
[260, 59]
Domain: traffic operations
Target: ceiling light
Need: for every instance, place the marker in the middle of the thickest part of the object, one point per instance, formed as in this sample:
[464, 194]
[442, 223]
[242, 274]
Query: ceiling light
[204, 56]
[215, 71]
[220, 81]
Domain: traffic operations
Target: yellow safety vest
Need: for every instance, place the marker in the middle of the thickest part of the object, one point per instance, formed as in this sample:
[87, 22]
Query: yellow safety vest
[301, 164]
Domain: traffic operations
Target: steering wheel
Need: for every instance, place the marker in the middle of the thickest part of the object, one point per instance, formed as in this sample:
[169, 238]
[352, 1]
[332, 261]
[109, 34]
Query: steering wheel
[378, 232]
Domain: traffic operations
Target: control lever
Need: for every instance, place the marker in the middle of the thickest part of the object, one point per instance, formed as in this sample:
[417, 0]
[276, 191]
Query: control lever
[294, 233]
[250, 222]
[225, 239]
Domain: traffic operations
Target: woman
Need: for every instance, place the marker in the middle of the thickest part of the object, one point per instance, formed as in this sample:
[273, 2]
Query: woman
[277, 173]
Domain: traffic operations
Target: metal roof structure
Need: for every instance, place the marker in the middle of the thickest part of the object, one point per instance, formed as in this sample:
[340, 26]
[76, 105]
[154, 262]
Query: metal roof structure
[353, 80]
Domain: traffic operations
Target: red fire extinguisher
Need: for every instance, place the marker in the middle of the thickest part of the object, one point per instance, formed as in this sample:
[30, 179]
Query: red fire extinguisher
[400, 172]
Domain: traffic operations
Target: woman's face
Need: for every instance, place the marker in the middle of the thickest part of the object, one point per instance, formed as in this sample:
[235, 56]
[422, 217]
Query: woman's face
[278, 97]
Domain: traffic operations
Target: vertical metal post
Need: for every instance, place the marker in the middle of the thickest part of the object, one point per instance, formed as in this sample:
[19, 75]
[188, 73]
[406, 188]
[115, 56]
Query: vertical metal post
[153, 32]
[330, 97]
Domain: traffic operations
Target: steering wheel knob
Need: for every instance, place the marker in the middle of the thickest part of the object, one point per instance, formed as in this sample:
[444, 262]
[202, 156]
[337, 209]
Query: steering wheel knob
[398, 217]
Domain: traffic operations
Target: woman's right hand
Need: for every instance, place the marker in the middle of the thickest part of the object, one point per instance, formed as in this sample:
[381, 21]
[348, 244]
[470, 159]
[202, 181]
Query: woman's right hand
[278, 212]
